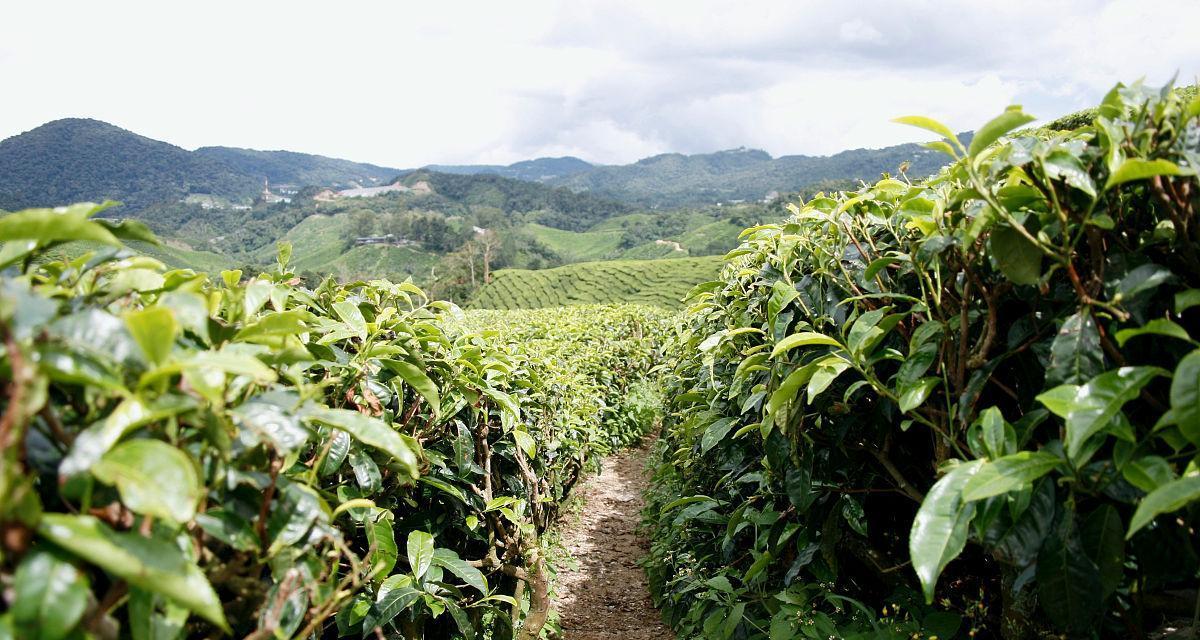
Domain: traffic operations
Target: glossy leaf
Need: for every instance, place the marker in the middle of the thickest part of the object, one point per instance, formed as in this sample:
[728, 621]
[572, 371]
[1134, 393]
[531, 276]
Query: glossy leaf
[939, 531]
[153, 478]
[148, 563]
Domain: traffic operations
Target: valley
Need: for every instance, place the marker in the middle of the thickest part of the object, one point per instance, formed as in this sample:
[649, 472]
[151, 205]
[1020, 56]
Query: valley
[219, 208]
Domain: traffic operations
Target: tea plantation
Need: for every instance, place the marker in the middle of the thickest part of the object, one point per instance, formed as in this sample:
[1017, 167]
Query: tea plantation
[656, 282]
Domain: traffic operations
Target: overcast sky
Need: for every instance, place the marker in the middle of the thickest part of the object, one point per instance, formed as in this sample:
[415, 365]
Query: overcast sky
[405, 84]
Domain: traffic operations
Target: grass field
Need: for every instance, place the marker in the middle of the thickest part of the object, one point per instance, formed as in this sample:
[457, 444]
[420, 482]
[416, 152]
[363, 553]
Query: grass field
[657, 282]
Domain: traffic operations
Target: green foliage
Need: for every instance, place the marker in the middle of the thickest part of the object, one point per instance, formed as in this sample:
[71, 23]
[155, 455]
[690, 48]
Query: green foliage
[675, 180]
[79, 159]
[657, 282]
[185, 455]
[973, 397]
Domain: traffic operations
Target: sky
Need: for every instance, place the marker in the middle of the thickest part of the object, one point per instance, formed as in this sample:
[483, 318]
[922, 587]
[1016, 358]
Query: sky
[404, 84]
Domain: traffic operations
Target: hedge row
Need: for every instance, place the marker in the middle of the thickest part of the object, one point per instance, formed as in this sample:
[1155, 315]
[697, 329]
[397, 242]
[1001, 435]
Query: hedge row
[194, 456]
[965, 406]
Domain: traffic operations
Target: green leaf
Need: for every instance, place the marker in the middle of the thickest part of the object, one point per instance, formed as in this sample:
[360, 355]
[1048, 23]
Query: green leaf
[416, 378]
[715, 432]
[51, 596]
[1097, 403]
[283, 323]
[1141, 279]
[352, 316]
[1185, 396]
[1148, 472]
[93, 442]
[1103, 539]
[146, 622]
[1171, 496]
[1068, 168]
[1009, 473]
[928, 124]
[1156, 327]
[1185, 300]
[449, 560]
[153, 478]
[420, 552]
[154, 330]
[999, 437]
[802, 340]
[939, 532]
[382, 540]
[372, 432]
[1068, 582]
[915, 394]
[1012, 118]
[62, 224]
[1017, 258]
[395, 595]
[525, 442]
[1141, 169]
[149, 563]
[826, 372]
[230, 528]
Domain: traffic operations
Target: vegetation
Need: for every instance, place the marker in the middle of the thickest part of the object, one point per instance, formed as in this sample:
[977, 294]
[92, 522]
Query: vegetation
[537, 170]
[299, 169]
[654, 282]
[675, 180]
[959, 407]
[194, 456]
[78, 159]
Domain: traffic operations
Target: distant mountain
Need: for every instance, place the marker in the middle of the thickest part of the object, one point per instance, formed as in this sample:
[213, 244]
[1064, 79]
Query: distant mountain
[300, 169]
[674, 179]
[79, 159]
[538, 170]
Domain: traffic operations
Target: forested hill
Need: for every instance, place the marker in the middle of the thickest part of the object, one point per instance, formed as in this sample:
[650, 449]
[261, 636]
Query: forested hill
[537, 170]
[78, 159]
[300, 169]
[551, 206]
[674, 179]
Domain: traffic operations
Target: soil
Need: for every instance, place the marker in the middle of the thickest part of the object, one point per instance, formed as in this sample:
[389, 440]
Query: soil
[605, 596]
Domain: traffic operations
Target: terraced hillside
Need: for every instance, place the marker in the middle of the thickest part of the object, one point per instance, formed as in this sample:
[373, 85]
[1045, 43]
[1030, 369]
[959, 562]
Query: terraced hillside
[657, 282]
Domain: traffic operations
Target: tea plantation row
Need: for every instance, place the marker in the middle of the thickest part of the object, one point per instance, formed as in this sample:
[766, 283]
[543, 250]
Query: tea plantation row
[195, 456]
[966, 407]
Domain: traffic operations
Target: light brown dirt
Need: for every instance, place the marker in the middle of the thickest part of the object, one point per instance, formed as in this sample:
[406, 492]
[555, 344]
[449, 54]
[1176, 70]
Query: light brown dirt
[605, 596]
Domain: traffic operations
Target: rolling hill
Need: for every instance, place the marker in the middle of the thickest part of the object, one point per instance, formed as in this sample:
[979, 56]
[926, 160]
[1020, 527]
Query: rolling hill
[673, 179]
[79, 160]
[300, 169]
[658, 282]
[537, 170]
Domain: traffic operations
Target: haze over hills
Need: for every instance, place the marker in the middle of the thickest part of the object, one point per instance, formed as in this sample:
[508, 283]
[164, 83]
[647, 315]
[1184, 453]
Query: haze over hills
[674, 179]
[81, 159]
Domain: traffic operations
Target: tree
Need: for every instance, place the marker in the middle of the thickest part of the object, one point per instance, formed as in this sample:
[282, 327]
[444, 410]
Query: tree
[489, 244]
[362, 224]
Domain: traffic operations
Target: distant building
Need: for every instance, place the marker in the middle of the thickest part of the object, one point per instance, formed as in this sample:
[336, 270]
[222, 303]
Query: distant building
[386, 239]
[271, 198]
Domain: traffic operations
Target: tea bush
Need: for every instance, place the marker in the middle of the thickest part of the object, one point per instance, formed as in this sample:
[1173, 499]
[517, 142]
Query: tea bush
[194, 456]
[965, 406]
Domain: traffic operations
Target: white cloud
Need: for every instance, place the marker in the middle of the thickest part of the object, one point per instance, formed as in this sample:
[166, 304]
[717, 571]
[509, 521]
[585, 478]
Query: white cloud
[406, 84]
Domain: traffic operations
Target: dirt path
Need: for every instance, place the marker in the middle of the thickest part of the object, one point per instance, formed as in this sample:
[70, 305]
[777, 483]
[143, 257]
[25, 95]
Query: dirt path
[605, 597]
